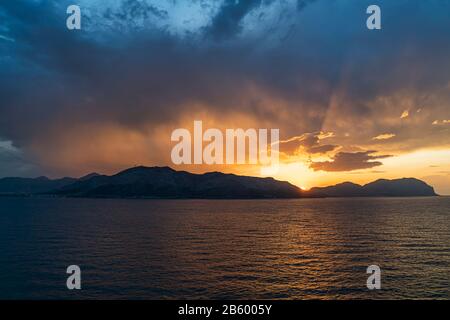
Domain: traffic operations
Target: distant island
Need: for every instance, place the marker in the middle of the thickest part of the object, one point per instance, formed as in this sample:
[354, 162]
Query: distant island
[405, 187]
[167, 183]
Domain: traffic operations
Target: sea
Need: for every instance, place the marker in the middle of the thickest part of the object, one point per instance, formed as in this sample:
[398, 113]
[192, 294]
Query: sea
[225, 249]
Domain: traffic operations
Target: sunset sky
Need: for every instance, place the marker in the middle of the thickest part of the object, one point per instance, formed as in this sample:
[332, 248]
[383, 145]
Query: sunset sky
[351, 104]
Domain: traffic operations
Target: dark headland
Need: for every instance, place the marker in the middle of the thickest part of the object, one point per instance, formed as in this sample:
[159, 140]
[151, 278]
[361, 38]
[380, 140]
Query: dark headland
[164, 182]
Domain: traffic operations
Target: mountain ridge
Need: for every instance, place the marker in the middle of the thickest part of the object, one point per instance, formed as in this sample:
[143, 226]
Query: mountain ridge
[165, 182]
[403, 187]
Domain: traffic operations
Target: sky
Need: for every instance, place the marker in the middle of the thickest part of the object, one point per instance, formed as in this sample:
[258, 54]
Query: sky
[351, 104]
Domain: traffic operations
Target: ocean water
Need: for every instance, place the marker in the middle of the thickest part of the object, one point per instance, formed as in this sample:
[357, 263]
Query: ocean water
[225, 249]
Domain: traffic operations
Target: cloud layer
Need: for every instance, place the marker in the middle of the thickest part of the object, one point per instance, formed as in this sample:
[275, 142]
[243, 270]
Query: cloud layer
[139, 69]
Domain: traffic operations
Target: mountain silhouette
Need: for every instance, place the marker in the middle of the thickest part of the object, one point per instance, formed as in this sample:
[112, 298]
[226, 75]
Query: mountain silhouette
[32, 185]
[164, 182]
[405, 187]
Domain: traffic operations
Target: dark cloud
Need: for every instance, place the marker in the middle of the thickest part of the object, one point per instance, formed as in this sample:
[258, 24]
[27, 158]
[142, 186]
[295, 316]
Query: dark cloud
[131, 12]
[301, 4]
[227, 22]
[11, 160]
[322, 149]
[330, 74]
[347, 161]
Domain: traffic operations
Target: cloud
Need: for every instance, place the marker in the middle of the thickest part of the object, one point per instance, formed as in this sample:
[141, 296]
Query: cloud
[129, 70]
[133, 13]
[309, 143]
[2, 37]
[405, 114]
[227, 22]
[384, 136]
[301, 4]
[12, 160]
[347, 161]
[437, 122]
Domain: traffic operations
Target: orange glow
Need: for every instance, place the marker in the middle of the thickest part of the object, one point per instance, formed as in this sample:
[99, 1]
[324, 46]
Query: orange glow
[110, 148]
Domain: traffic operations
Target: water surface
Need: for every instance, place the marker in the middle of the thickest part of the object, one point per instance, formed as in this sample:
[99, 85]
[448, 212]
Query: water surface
[230, 249]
